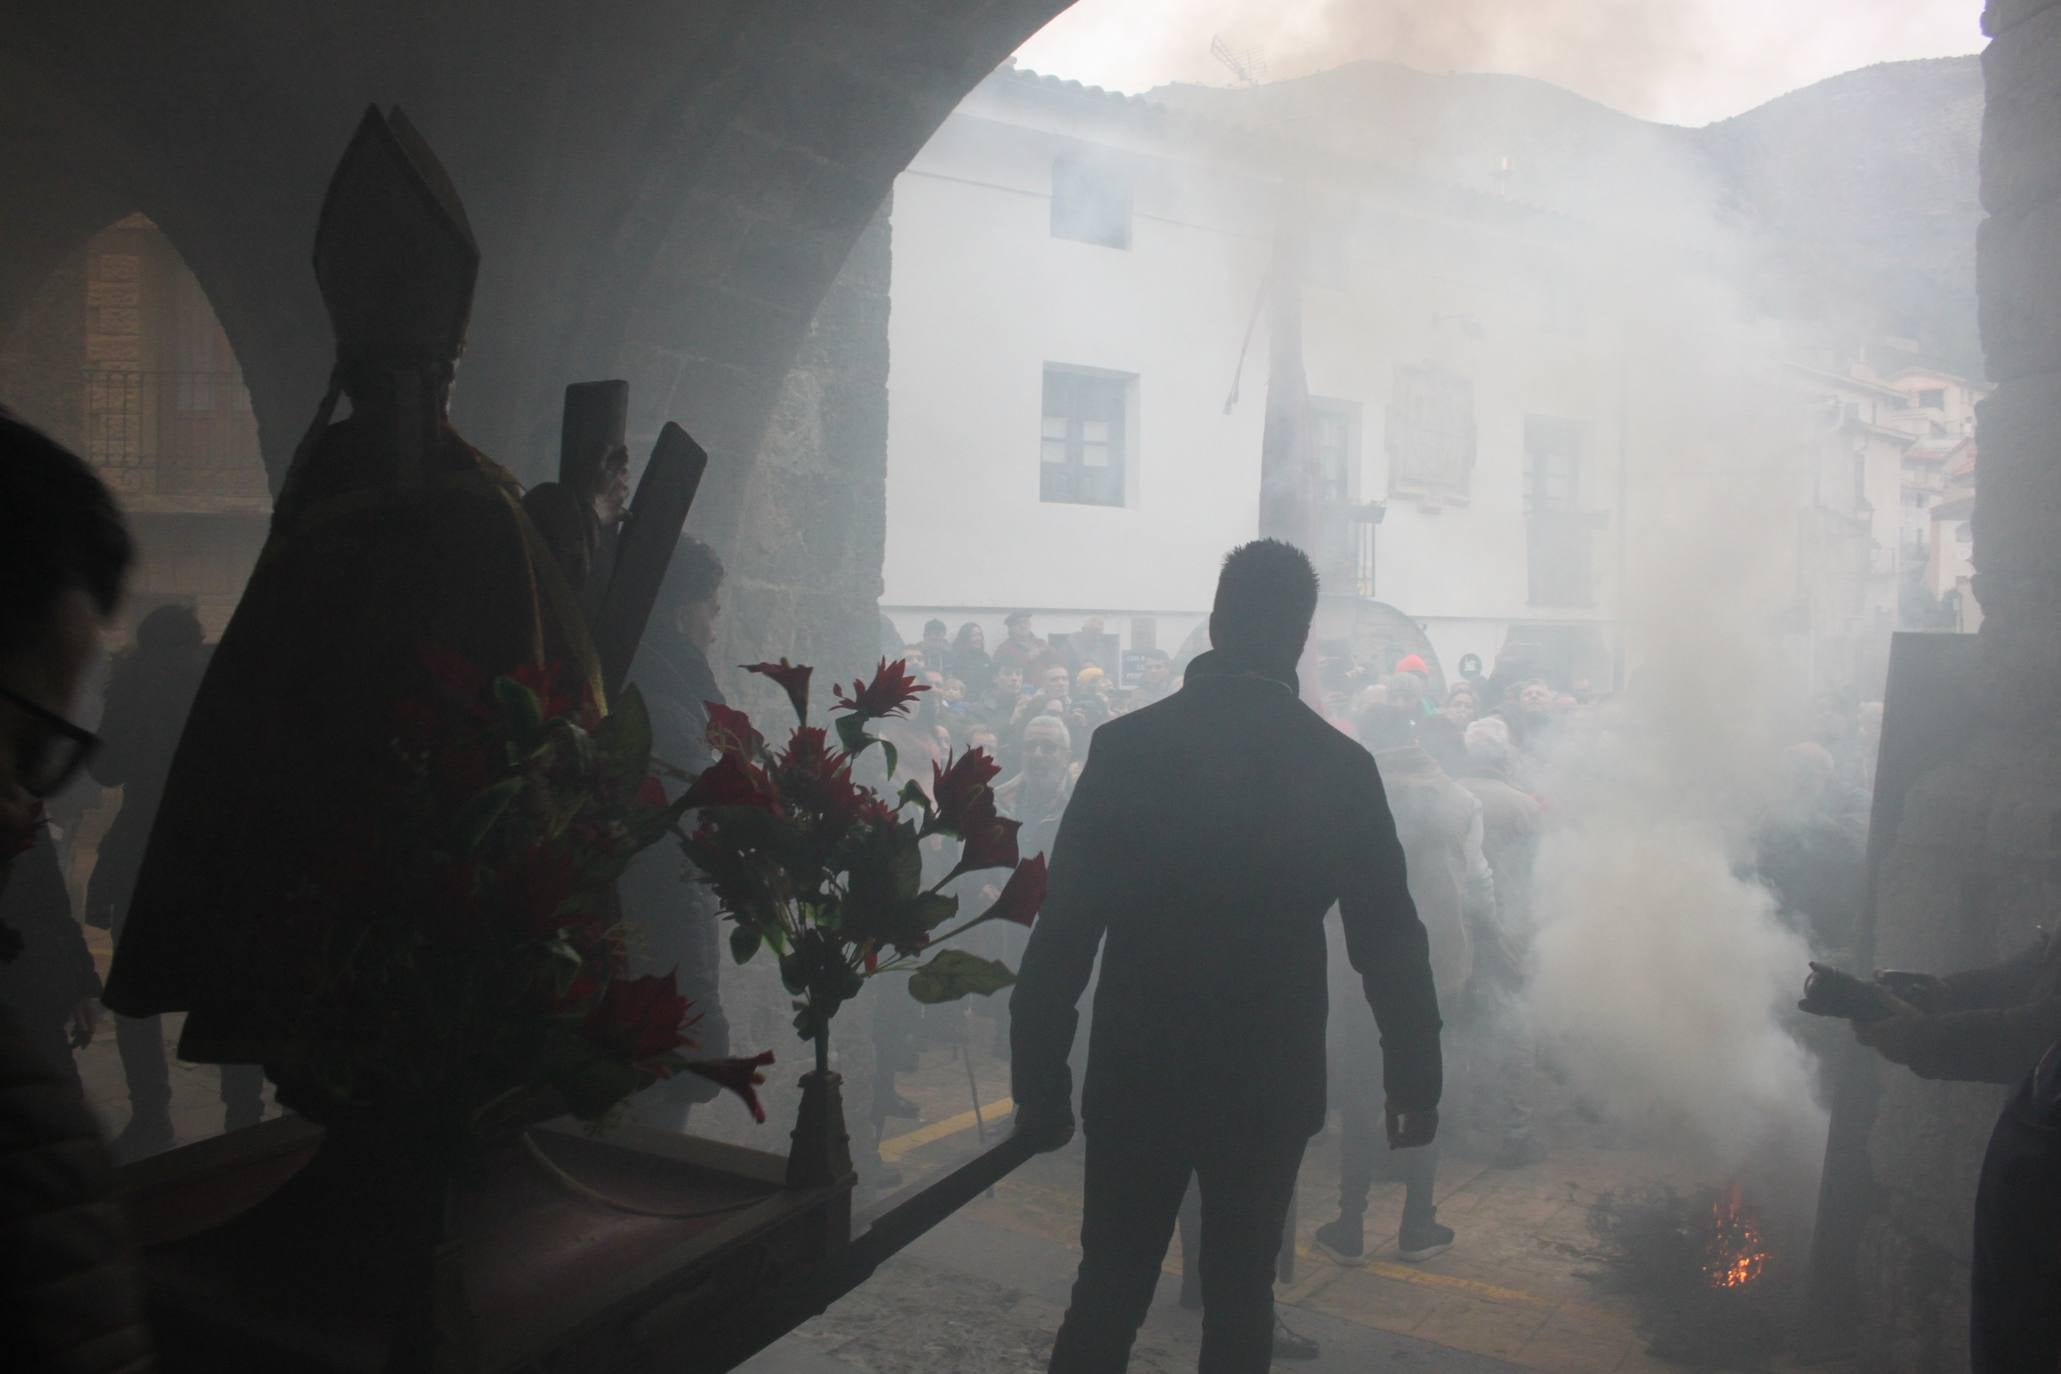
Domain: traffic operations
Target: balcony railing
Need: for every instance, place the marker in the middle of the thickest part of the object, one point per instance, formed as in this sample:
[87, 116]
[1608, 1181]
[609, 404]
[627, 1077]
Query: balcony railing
[1365, 518]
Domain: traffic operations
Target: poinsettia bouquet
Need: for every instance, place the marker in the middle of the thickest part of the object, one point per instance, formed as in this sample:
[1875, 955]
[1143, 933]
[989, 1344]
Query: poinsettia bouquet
[471, 952]
[812, 863]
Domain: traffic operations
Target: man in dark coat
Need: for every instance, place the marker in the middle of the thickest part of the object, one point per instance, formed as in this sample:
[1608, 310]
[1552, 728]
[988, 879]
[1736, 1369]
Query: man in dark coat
[672, 917]
[148, 699]
[51, 991]
[69, 1298]
[1209, 869]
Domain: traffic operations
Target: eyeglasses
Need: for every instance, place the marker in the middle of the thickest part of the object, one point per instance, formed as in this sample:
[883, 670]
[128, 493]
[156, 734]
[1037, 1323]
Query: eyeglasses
[49, 750]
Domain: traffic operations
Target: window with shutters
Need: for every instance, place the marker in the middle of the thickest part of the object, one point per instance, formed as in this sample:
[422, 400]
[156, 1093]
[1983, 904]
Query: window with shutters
[1431, 433]
[1086, 426]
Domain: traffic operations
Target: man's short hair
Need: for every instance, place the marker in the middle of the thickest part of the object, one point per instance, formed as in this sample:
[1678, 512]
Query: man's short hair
[694, 575]
[59, 529]
[934, 626]
[1266, 599]
[1045, 723]
[1488, 742]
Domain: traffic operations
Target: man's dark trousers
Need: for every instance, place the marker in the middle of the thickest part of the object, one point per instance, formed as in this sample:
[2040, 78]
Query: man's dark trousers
[1136, 1176]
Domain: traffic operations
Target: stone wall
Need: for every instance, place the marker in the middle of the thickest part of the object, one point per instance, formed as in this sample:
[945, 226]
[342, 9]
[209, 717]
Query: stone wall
[1976, 862]
[804, 582]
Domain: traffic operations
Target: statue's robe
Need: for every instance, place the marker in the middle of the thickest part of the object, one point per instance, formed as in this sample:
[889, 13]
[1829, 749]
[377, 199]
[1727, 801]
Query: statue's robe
[288, 752]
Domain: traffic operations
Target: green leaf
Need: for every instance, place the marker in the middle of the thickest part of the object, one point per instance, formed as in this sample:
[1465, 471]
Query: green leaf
[893, 757]
[521, 703]
[931, 910]
[851, 733]
[744, 942]
[482, 809]
[912, 795]
[908, 862]
[625, 737]
[565, 962]
[954, 973]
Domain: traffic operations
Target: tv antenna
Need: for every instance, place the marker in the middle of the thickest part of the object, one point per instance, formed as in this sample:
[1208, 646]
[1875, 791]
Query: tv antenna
[1249, 65]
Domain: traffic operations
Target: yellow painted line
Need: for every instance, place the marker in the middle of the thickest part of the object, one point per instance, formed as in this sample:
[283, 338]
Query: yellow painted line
[1427, 1278]
[891, 1150]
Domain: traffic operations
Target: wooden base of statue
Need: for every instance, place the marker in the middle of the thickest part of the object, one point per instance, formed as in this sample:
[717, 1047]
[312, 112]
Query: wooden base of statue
[364, 1251]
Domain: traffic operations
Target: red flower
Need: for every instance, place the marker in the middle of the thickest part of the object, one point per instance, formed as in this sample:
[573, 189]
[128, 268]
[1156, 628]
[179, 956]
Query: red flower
[959, 787]
[793, 679]
[730, 731]
[639, 1017]
[807, 755]
[1023, 894]
[812, 778]
[558, 691]
[990, 845]
[740, 1076]
[457, 676]
[891, 690]
[730, 781]
[578, 993]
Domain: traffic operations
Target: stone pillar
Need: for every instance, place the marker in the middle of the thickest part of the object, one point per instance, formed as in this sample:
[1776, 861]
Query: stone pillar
[1975, 864]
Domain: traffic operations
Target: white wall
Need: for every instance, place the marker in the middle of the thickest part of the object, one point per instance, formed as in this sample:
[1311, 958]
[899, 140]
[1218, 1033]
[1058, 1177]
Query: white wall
[983, 297]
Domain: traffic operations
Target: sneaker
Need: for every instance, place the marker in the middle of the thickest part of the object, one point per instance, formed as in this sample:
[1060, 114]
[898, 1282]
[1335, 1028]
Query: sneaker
[1290, 1344]
[142, 1138]
[1421, 1240]
[1344, 1241]
[893, 1104]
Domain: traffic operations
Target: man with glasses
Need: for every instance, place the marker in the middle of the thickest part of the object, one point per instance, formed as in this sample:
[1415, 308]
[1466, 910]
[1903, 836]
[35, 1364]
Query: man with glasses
[68, 1291]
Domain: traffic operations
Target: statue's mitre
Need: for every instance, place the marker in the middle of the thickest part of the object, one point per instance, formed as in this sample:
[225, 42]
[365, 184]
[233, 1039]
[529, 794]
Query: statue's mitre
[394, 254]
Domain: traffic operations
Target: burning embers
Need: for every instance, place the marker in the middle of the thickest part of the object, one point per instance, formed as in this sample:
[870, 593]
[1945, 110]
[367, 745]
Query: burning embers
[1701, 1270]
[1735, 1254]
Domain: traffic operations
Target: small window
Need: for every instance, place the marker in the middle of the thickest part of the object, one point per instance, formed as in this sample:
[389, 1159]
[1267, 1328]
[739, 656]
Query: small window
[1090, 204]
[1081, 438]
[1431, 432]
[1552, 463]
[1335, 444]
[1932, 398]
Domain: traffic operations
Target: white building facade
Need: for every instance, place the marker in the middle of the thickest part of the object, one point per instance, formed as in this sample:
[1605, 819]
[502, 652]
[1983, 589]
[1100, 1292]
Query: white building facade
[1075, 274]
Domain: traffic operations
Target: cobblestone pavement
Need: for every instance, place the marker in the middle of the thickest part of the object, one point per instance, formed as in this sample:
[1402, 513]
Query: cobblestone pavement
[984, 1292]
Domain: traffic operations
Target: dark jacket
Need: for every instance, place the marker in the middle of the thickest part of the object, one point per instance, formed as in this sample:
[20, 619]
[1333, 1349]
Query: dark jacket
[148, 701]
[69, 1298]
[54, 972]
[1206, 838]
[1991, 1025]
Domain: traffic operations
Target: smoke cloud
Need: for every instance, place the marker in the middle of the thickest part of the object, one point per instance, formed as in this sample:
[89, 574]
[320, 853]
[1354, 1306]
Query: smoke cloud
[1688, 62]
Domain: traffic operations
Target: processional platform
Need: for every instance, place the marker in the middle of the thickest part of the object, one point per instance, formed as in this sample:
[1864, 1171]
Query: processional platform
[553, 1277]
[630, 1250]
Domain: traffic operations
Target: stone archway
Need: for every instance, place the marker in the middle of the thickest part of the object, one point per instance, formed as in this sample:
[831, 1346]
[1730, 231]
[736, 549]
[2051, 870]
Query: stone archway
[660, 192]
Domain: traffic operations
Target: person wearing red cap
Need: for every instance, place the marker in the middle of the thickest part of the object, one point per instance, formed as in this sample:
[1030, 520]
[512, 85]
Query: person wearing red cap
[1413, 663]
